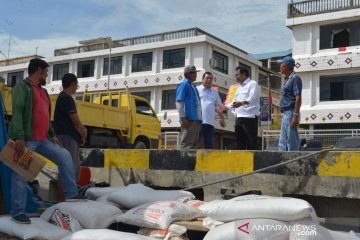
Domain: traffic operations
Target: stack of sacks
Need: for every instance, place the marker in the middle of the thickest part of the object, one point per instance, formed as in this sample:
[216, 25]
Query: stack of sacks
[38, 229]
[134, 195]
[159, 215]
[75, 216]
[104, 234]
[261, 217]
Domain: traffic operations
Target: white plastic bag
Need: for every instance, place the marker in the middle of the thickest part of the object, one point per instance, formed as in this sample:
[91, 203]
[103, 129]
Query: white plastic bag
[159, 215]
[250, 229]
[90, 214]
[254, 206]
[134, 195]
[38, 229]
[104, 234]
[169, 233]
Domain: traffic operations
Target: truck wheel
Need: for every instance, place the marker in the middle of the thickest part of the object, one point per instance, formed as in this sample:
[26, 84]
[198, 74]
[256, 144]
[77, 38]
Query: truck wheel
[140, 145]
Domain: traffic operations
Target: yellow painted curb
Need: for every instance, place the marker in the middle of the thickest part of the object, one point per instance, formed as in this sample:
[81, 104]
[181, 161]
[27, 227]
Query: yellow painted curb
[224, 161]
[138, 159]
[340, 164]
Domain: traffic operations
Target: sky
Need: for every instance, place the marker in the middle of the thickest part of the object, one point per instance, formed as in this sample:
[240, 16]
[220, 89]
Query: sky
[40, 26]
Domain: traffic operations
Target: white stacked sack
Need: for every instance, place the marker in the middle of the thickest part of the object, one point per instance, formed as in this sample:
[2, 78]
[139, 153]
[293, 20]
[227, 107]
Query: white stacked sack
[311, 230]
[250, 229]
[263, 217]
[75, 216]
[104, 234]
[159, 215]
[255, 206]
[134, 195]
[38, 229]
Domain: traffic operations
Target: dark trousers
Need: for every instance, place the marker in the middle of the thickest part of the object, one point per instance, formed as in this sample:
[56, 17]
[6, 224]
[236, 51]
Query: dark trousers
[207, 133]
[246, 130]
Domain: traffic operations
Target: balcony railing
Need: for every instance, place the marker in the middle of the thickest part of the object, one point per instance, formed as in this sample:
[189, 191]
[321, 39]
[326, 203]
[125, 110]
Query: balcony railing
[132, 41]
[312, 7]
[185, 33]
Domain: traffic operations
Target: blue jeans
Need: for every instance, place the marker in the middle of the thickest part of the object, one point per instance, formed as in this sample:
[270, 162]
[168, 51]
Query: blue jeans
[289, 137]
[61, 157]
[207, 133]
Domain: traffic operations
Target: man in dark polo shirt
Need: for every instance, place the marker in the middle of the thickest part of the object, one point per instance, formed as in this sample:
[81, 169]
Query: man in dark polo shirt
[67, 124]
[290, 104]
[30, 126]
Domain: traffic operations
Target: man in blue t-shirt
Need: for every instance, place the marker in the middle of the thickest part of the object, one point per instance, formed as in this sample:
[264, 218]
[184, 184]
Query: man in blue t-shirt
[290, 104]
[68, 126]
[189, 108]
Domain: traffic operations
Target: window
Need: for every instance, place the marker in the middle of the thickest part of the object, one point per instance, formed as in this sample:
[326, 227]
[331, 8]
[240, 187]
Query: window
[14, 78]
[146, 95]
[142, 62]
[115, 65]
[243, 65]
[143, 108]
[59, 70]
[340, 87]
[86, 69]
[340, 35]
[221, 62]
[168, 99]
[174, 58]
[114, 102]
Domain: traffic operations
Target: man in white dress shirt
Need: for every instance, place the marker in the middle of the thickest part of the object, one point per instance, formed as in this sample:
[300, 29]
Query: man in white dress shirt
[210, 104]
[246, 107]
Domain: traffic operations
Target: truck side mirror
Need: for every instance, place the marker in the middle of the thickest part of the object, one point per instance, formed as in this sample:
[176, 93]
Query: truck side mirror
[165, 115]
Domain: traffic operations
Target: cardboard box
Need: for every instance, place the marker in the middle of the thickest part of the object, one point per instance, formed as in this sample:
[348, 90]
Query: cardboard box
[28, 165]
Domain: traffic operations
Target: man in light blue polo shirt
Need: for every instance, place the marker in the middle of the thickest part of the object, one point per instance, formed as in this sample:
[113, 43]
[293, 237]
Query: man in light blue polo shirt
[189, 109]
[290, 104]
[210, 104]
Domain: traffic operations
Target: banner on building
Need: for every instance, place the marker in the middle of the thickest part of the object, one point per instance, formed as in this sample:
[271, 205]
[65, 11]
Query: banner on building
[265, 111]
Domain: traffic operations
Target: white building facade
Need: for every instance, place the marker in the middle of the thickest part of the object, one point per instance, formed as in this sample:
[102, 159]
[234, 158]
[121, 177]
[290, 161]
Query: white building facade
[151, 66]
[326, 48]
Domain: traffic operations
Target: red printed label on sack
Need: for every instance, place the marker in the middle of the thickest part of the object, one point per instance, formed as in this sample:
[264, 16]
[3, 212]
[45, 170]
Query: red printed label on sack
[61, 219]
[149, 212]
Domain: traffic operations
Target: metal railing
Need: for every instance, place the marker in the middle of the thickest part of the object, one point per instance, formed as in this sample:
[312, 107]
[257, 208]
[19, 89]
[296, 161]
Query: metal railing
[132, 41]
[170, 140]
[312, 7]
[326, 137]
[159, 37]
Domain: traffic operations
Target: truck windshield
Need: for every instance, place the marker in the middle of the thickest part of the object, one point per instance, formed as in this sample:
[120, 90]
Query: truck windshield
[143, 108]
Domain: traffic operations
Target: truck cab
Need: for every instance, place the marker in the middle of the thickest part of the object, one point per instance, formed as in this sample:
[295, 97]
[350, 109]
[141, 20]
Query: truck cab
[144, 127]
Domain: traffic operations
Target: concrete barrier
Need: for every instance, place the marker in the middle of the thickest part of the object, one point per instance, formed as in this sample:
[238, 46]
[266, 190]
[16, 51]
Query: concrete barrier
[333, 174]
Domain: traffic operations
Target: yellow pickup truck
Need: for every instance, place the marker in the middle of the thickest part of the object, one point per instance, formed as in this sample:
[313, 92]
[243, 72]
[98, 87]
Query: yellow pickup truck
[129, 121]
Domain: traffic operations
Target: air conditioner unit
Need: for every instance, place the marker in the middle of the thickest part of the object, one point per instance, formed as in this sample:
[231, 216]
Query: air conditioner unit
[213, 63]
